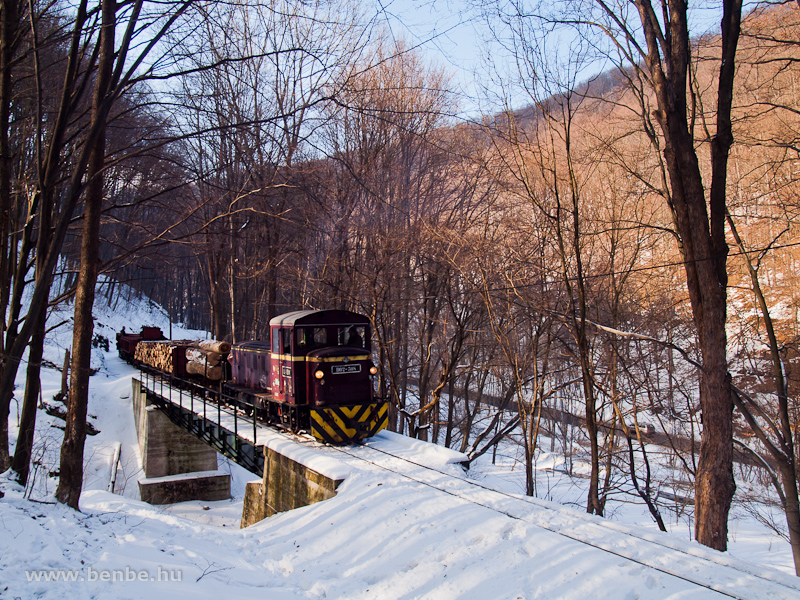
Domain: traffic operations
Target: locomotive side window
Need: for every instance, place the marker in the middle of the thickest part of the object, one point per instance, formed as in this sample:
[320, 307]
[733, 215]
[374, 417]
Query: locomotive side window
[276, 341]
[286, 337]
[320, 336]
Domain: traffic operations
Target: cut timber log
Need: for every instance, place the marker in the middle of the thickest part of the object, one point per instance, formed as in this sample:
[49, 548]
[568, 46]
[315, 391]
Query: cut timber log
[203, 356]
[215, 346]
[161, 355]
[182, 357]
[196, 368]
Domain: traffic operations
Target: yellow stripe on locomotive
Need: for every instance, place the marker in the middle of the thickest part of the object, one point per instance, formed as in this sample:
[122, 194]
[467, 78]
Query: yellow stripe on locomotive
[342, 424]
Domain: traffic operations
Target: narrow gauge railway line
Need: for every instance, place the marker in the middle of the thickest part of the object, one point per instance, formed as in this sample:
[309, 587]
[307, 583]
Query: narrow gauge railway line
[742, 581]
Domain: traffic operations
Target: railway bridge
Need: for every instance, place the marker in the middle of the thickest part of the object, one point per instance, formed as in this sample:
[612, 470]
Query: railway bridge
[181, 430]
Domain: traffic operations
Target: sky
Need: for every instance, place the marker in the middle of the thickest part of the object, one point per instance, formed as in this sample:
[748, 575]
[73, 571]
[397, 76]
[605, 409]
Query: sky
[445, 29]
[452, 34]
[455, 35]
[447, 32]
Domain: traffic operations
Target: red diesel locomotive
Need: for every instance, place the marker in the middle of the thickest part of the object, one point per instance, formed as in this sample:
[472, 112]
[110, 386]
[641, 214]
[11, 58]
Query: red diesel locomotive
[314, 374]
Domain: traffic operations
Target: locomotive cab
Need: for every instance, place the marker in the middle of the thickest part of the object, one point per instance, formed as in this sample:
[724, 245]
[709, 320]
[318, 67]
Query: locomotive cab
[321, 359]
[305, 339]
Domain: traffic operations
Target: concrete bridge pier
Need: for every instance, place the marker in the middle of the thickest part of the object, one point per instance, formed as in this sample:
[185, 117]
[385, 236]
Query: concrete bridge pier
[177, 465]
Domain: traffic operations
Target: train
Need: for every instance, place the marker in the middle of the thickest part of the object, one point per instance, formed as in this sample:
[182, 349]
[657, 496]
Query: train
[314, 374]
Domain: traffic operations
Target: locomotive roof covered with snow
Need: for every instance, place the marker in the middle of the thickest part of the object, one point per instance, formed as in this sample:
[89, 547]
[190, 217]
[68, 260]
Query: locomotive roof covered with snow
[315, 373]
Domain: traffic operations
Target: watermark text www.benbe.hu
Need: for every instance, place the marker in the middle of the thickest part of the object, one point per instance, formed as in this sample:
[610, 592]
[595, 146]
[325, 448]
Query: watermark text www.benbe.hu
[126, 575]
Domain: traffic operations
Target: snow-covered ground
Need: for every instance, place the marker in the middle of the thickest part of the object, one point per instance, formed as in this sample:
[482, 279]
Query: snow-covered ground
[383, 536]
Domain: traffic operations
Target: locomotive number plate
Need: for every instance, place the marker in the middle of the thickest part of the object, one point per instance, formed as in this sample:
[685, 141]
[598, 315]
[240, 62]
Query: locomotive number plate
[340, 369]
[286, 371]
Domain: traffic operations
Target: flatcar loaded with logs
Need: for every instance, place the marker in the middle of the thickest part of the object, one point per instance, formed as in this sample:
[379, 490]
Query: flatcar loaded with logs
[315, 373]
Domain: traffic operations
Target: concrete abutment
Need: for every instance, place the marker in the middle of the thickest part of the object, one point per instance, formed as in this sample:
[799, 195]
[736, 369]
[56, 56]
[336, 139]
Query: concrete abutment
[287, 484]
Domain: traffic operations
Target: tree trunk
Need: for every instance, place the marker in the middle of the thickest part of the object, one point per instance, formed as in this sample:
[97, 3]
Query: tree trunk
[9, 16]
[792, 509]
[783, 451]
[703, 245]
[27, 423]
[71, 477]
[17, 338]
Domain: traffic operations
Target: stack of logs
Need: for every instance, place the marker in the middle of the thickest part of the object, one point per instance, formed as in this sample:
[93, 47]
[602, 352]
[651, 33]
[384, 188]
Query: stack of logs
[203, 357]
[159, 354]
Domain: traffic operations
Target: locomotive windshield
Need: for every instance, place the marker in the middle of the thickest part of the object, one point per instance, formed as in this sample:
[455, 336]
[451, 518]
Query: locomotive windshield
[310, 338]
[352, 336]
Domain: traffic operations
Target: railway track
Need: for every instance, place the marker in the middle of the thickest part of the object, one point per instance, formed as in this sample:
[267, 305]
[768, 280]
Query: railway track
[708, 569]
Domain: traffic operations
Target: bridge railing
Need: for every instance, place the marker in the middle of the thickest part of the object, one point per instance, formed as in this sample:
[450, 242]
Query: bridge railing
[193, 405]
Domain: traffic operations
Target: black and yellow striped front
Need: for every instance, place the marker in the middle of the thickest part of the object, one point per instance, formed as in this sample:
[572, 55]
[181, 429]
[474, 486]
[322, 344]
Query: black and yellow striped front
[341, 424]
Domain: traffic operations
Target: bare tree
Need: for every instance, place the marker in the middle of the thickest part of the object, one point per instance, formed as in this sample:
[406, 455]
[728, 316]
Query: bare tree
[113, 77]
[390, 192]
[654, 44]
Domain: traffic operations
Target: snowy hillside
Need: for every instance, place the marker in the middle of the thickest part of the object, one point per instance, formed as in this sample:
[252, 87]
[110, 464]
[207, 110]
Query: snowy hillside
[383, 536]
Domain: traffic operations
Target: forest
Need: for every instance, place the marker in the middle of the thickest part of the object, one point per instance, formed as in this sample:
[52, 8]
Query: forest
[604, 259]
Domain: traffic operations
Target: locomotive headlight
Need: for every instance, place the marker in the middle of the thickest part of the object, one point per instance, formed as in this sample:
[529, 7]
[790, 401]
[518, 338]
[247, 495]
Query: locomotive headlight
[319, 374]
[373, 369]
